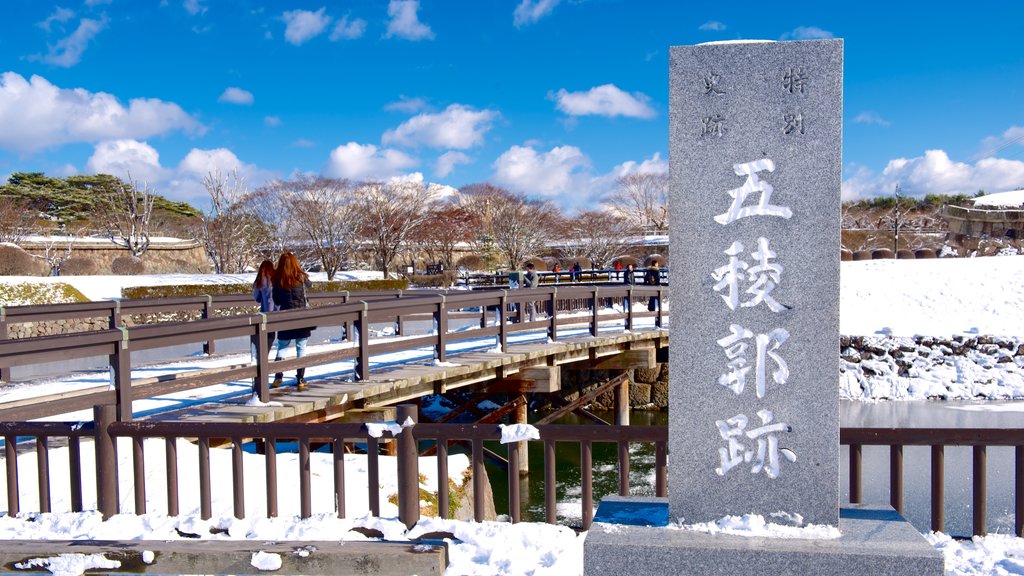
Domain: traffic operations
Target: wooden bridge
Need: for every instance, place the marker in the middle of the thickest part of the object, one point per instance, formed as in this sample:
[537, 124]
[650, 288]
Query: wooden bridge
[505, 352]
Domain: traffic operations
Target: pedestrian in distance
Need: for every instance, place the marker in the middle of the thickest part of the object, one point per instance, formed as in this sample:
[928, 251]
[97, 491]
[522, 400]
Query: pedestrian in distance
[574, 272]
[629, 279]
[290, 283]
[531, 280]
[263, 292]
[652, 277]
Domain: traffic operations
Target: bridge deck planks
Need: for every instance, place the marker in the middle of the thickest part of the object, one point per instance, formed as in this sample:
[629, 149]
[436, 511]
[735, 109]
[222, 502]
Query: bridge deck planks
[331, 396]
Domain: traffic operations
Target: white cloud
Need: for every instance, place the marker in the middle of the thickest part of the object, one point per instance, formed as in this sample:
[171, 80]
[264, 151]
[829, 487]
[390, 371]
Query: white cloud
[1014, 135]
[446, 162]
[366, 162]
[303, 143]
[194, 7]
[235, 95]
[556, 172]
[712, 26]
[407, 105]
[272, 121]
[405, 23]
[934, 173]
[303, 25]
[607, 100]
[530, 11]
[807, 33]
[652, 165]
[68, 51]
[348, 30]
[458, 127]
[870, 117]
[122, 158]
[97, 2]
[35, 114]
[59, 15]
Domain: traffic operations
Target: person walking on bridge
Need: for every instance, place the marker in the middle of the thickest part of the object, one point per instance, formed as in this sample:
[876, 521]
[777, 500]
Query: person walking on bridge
[290, 283]
[629, 279]
[263, 292]
[531, 280]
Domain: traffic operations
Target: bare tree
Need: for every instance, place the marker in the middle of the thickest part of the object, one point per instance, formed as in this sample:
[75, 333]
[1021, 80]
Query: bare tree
[451, 225]
[595, 234]
[269, 204]
[518, 227]
[231, 234]
[127, 210]
[389, 215]
[17, 219]
[323, 211]
[642, 198]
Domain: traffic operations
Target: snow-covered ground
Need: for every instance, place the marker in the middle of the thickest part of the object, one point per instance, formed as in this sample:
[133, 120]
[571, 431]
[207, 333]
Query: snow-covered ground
[950, 298]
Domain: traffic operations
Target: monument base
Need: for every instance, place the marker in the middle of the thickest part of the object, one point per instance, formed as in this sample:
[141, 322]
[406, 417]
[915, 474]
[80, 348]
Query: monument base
[629, 537]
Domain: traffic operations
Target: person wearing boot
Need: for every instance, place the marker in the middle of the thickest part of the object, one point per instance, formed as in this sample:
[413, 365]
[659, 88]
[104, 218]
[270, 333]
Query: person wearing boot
[290, 283]
[262, 292]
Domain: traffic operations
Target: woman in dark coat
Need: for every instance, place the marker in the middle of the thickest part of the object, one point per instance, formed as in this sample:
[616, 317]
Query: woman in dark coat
[629, 279]
[262, 292]
[652, 277]
[290, 282]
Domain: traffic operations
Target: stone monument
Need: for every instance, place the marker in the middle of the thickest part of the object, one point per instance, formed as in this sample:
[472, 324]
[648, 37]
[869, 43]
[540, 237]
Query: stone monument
[756, 160]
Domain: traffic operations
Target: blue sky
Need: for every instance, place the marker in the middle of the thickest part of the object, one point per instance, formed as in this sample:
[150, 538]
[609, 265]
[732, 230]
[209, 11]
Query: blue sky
[553, 98]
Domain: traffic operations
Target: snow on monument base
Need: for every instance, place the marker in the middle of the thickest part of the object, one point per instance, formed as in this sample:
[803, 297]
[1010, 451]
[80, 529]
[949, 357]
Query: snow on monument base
[875, 540]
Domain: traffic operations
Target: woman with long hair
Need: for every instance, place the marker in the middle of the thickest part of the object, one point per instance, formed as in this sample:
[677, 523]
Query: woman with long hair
[289, 292]
[262, 292]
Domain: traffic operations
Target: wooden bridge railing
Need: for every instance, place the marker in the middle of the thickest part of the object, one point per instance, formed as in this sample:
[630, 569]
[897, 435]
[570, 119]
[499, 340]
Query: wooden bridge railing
[105, 429]
[501, 313]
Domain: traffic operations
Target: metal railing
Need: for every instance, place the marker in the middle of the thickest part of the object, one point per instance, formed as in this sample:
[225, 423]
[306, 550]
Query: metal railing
[411, 439]
[501, 313]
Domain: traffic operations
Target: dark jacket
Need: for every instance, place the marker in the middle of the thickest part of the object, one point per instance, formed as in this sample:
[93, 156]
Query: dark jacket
[291, 299]
[652, 277]
[629, 276]
[530, 279]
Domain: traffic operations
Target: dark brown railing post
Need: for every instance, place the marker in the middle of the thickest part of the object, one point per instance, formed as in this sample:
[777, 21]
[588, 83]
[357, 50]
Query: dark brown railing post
[11, 456]
[856, 489]
[270, 458]
[262, 385]
[121, 374]
[623, 468]
[980, 477]
[479, 479]
[443, 506]
[661, 304]
[362, 368]
[43, 472]
[305, 489]
[587, 481]
[661, 469]
[171, 457]
[237, 478]
[139, 474]
[208, 347]
[593, 313]
[550, 483]
[629, 308]
[503, 322]
[75, 473]
[553, 315]
[373, 475]
[441, 321]
[106, 461]
[896, 477]
[408, 468]
[338, 452]
[205, 492]
[514, 503]
[938, 488]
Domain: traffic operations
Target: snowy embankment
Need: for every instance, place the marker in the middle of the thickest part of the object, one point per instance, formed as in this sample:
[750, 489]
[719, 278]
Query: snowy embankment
[943, 329]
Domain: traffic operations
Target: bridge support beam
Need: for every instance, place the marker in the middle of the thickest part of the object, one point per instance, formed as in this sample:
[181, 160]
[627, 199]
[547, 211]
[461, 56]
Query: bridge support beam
[545, 379]
[625, 360]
